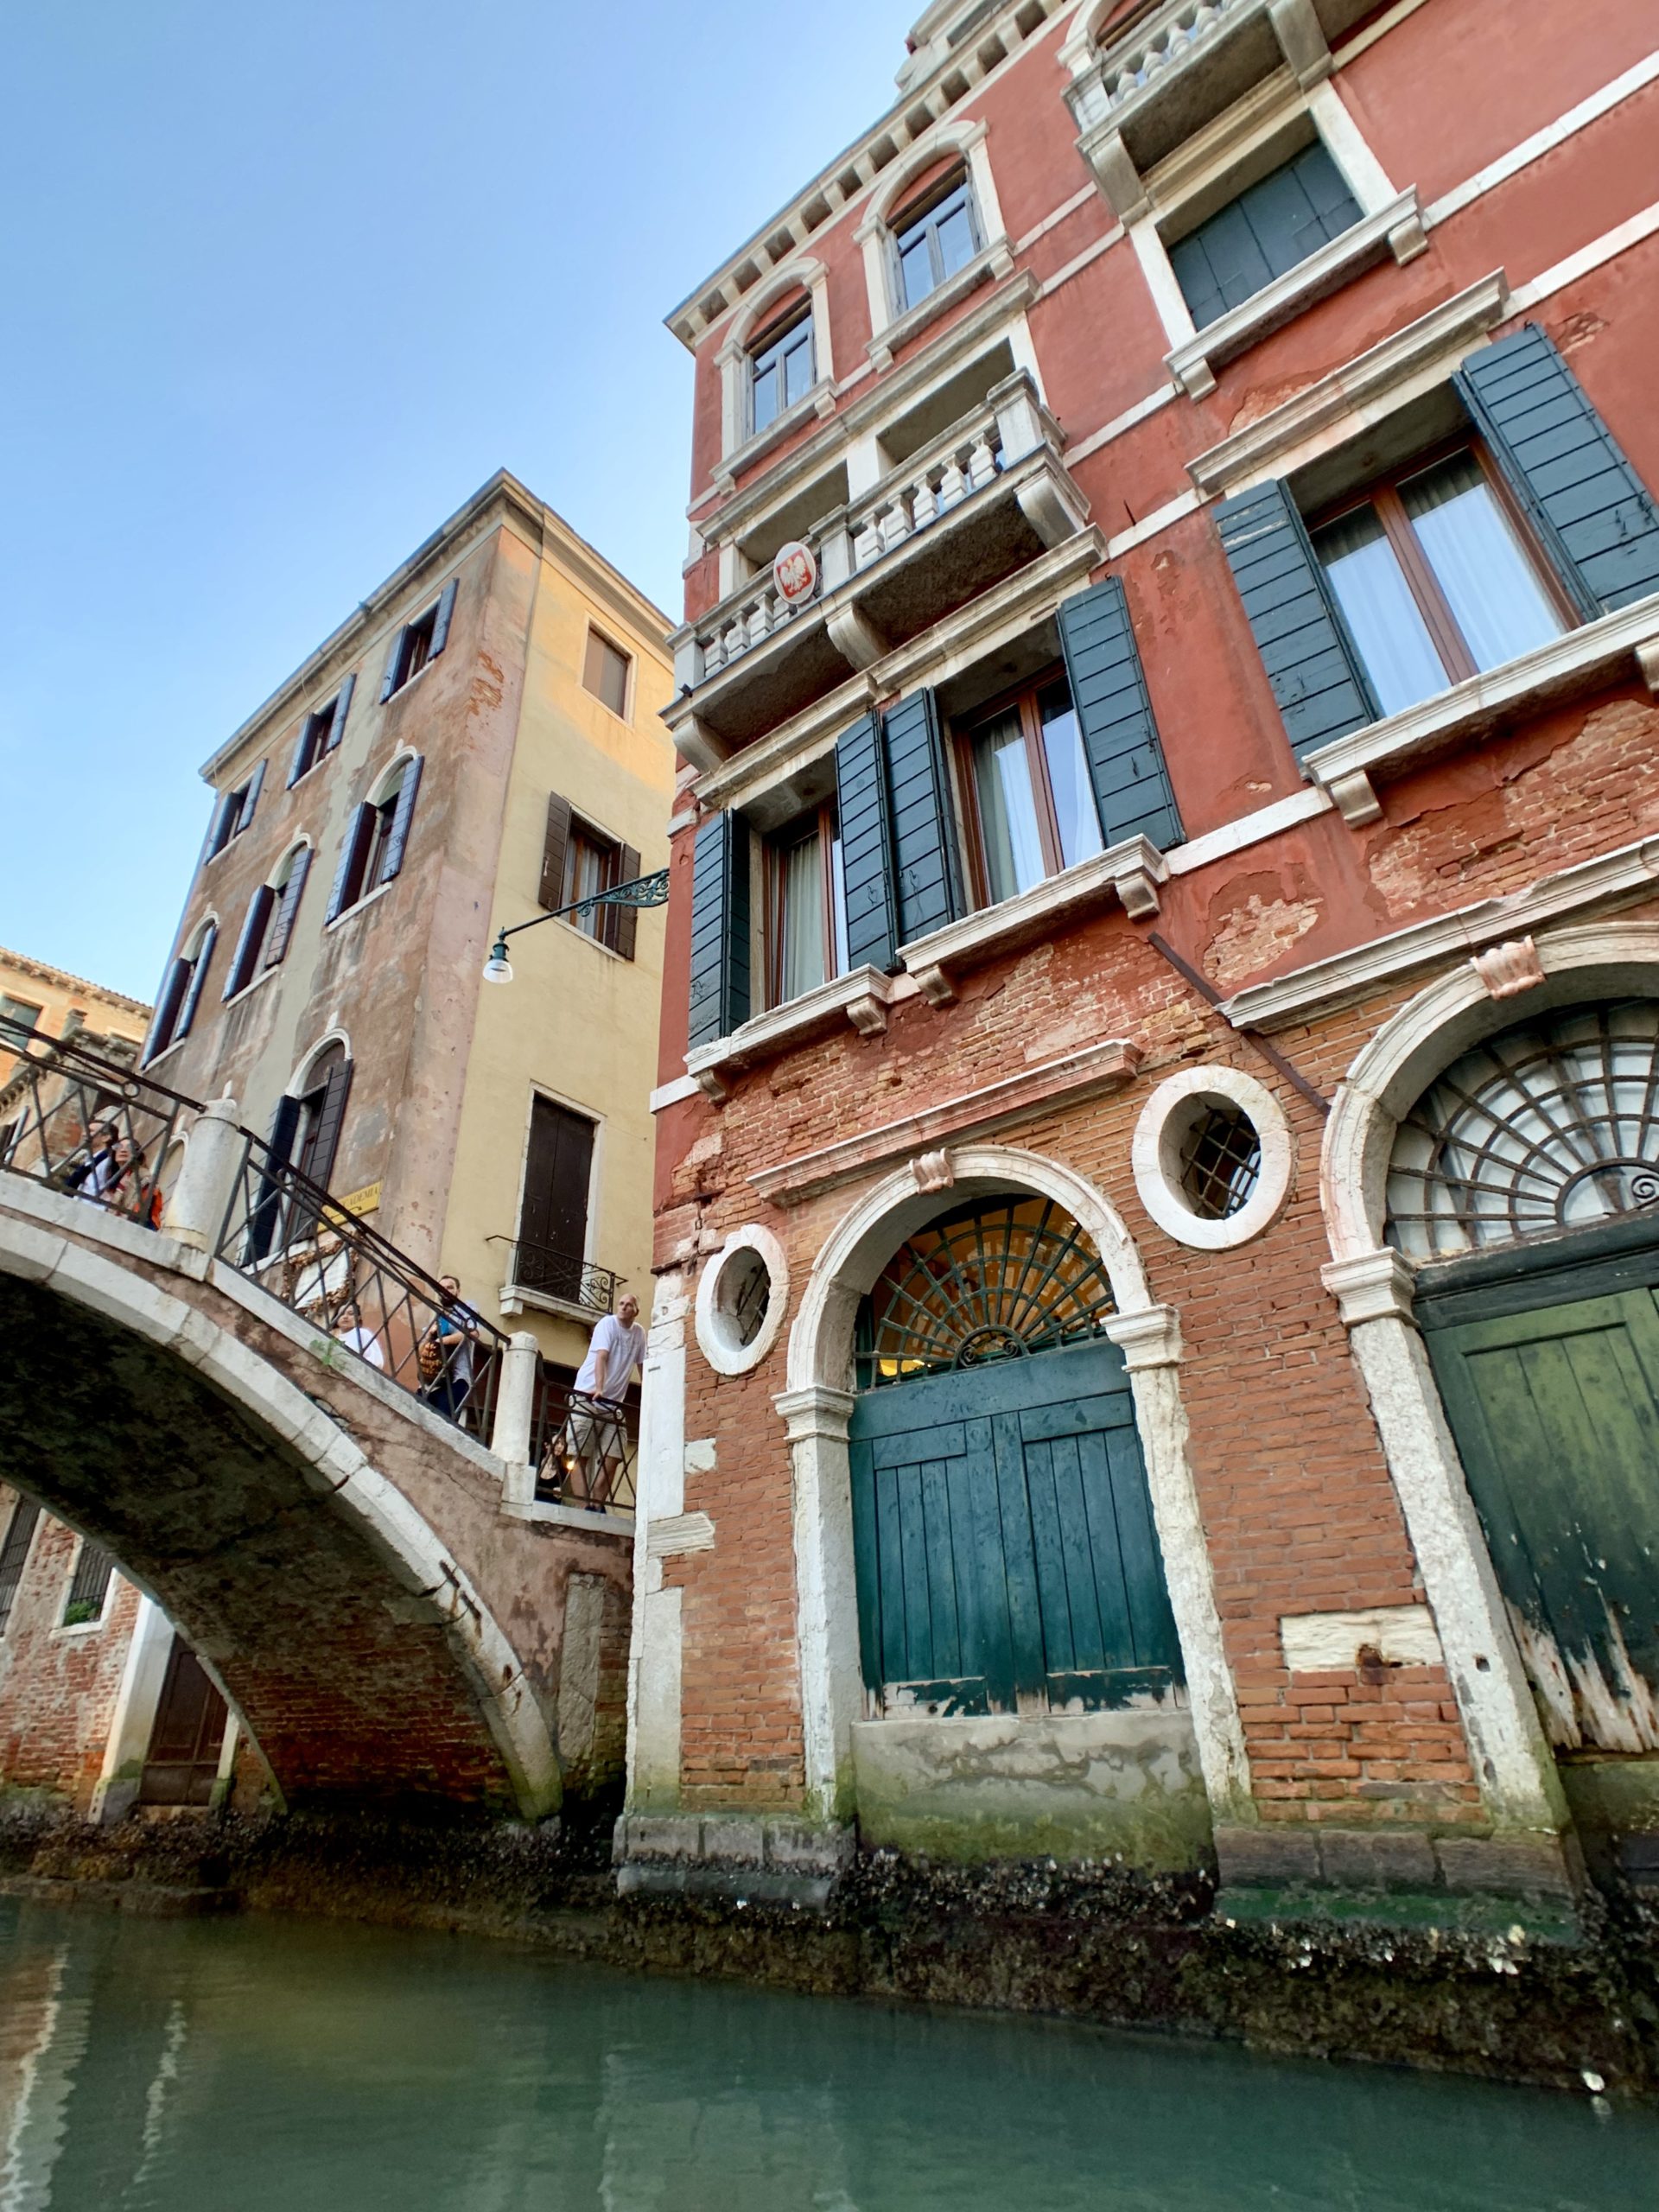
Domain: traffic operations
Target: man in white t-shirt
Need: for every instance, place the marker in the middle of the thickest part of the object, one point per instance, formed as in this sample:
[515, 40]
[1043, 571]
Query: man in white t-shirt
[597, 1434]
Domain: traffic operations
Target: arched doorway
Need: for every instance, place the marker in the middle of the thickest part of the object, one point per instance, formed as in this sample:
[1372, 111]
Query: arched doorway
[1524, 1184]
[1006, 1554]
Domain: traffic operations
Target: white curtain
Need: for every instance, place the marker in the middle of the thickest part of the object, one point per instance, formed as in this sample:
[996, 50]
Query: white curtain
[1370, 585]
[1069, 778]
[1008, 808]
[1500, 606]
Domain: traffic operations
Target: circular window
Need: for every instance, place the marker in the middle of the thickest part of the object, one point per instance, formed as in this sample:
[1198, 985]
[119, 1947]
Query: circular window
[1212, 1156]
[741, 1299]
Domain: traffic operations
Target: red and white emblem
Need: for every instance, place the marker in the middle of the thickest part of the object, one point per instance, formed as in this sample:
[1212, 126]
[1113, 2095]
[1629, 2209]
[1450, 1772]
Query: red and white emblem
[795, 572]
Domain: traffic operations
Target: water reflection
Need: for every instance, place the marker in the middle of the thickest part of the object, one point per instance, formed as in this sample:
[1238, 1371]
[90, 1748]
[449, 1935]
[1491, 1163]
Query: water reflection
[262, 2064]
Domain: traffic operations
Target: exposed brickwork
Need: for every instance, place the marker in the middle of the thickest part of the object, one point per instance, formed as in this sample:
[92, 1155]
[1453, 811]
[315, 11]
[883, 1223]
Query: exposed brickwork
[58, 1686]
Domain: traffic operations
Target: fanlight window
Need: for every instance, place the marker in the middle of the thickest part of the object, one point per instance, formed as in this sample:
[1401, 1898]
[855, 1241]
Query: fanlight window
[1552, 1126]
[985, 1282]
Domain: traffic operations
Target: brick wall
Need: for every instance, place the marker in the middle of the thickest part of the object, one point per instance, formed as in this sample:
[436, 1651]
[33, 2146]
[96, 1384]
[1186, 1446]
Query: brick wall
[58, 1686]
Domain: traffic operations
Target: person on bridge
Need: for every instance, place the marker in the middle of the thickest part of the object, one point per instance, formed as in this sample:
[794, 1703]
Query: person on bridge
[597, 1435]
[350, 1332]
[448, 1351]
[89, 1178]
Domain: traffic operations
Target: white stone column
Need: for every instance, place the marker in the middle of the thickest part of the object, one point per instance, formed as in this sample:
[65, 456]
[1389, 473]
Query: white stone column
[826, 1592]
[515, 1413]
[198, 1202]
[1512, 1761]
[654, 1654]
[128, 1740]
[1151, 1343]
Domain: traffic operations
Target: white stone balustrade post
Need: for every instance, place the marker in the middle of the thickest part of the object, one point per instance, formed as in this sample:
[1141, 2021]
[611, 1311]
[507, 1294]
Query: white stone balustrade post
[515, 1411]
[1020, 425]
[197, 1205]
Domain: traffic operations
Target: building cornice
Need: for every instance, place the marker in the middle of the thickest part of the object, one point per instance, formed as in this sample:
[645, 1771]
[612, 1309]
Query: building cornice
[41, 971]
[845, 180]
[502, 500]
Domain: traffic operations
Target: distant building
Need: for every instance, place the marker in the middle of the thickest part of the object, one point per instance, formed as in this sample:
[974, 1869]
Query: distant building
[480, 743]
[39, 1000]
[1159, 1107]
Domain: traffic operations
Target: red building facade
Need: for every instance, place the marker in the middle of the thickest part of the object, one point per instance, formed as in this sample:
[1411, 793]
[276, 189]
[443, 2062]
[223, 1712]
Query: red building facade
[1159, 1107]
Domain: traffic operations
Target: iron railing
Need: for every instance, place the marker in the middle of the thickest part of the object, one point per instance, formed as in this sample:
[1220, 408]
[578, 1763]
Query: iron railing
[89, 1127]
[106, 1134]
[583, 1449]
[563, 1275]
[286, 1234]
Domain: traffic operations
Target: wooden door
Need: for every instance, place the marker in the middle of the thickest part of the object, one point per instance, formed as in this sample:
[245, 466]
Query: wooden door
[553, 1218]
[1006, 1559]
[182, 1765]
[1556, 1416]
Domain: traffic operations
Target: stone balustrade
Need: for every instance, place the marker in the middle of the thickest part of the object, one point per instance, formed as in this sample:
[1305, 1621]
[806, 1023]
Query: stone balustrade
[1163, 43]
[964, 461]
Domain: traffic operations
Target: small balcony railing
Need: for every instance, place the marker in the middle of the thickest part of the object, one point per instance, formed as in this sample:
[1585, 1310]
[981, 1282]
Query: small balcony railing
[561, 1276]
[976, 503]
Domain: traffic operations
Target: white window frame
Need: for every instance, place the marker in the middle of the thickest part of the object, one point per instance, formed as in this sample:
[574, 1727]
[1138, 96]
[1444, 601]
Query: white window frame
[740, 444]
[891, 323]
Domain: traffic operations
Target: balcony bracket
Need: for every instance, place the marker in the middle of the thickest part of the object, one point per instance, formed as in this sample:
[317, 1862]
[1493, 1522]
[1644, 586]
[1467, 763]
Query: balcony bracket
[854, 636]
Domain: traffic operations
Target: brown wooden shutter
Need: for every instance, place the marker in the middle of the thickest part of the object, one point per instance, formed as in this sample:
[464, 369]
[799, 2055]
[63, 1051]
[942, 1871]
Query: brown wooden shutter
[342, 708]
[554, 848]
[394, 665]
[553, 1214]
[282, 928]
[323, 1141]
[167, 1003]
[622, 923]
[397, 839]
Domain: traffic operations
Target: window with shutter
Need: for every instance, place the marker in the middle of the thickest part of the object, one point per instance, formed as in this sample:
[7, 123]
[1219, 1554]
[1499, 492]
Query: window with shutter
[866, 846]
[806, 929]
[419, 642]
[322, 1112]
[390, 861]
[233, 814]
[926, 877]
[289, 888]
[622, 923]
[14, 1554]
[556, 837]
[1268, 231]
[199, 966]
[244, 962]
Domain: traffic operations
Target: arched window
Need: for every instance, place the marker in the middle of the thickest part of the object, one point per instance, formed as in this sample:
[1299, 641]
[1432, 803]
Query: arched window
[935, 233]
[782, 368]
[269, 921]
[181, 992]
[377, 837]
[993, 1280]
[1552, 1126]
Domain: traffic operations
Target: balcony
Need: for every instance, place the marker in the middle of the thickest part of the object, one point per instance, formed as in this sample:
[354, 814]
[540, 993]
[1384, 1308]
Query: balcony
[968, 509]
[554, 1282]
[1135, 100]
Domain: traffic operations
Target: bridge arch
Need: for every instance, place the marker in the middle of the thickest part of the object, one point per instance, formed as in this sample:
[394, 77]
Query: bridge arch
[335, 1551]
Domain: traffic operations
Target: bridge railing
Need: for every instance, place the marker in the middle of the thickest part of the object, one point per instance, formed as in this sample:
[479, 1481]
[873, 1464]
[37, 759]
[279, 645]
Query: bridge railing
[115, 1138]
[583, 1449]
[290, 1237]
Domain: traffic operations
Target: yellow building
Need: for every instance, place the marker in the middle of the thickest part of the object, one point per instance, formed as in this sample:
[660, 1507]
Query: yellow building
[478, 743]
[39, 1000]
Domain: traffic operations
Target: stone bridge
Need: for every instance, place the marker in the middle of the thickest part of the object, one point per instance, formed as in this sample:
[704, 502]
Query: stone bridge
[379, 1597]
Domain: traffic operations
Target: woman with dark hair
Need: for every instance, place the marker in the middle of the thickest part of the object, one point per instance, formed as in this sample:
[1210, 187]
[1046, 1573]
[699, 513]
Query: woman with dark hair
[126, 1191]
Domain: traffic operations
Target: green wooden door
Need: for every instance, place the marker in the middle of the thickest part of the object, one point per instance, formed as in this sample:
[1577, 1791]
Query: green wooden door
[1006, 1553]
[1556, 1415]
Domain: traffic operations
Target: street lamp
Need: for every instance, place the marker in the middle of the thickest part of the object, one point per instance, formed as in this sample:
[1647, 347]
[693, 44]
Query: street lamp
[643, 891]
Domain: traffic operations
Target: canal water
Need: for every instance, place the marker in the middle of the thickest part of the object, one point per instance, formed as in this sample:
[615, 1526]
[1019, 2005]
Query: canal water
[248, 2065]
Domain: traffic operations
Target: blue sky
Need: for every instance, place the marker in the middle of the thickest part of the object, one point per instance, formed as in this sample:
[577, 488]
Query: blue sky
[285, 285]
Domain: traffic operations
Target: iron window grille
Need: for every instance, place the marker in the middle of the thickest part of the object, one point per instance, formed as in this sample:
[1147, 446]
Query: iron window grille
[1550, 1127]
[994, 1280]
[89, 1586]
[14, 1554]
[1220, 1162]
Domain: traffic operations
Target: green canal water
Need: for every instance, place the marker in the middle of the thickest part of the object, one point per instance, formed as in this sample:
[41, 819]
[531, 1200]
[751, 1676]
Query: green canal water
[235, 2066]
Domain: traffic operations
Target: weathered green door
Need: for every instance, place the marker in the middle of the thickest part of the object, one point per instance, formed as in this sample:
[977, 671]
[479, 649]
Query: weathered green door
[1006, 1553]
[1556, 1416]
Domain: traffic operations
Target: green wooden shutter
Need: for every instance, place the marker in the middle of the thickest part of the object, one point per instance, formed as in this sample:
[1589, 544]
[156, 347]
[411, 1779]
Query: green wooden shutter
[1313, 664]
[256, 785]
[394, 668]
[720, 991]
[927, 880]
[1119, 736]
[1268, 230]
[866, 845]
[1593, 511]
[397, 837]
[337, 719]
[442, 620]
